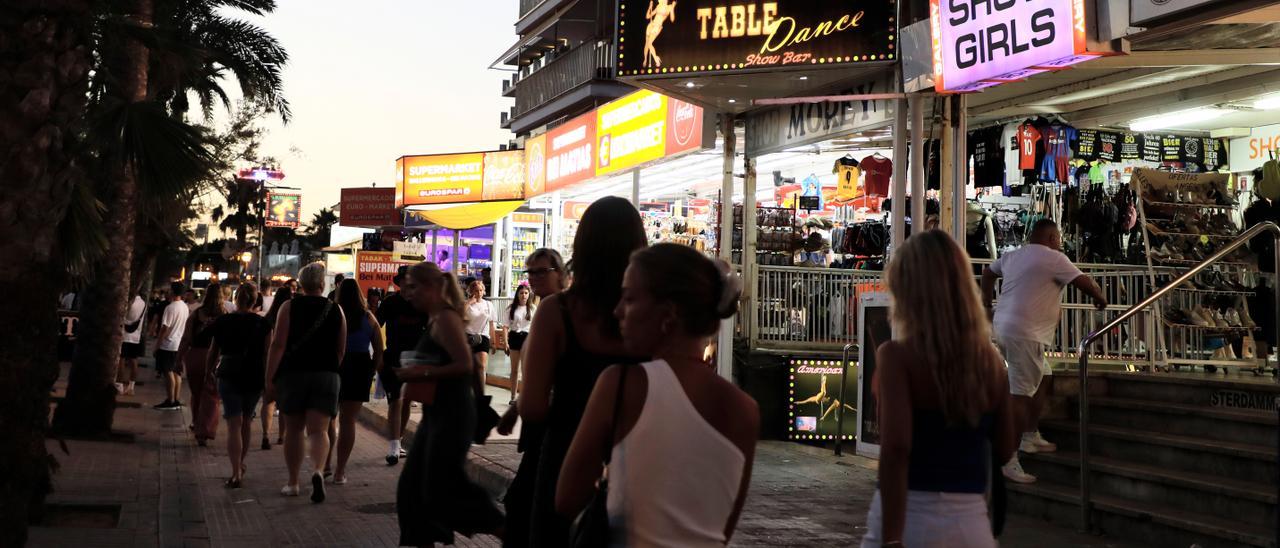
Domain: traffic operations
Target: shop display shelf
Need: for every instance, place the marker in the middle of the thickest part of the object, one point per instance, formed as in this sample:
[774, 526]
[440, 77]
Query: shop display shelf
[1212, 328]
[1190, 289]
[1155, 229]
[1189, 205]
[1190, 262]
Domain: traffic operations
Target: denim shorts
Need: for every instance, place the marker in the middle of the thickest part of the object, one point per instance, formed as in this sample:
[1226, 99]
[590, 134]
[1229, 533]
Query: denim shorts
[237, 403]
[300, 391]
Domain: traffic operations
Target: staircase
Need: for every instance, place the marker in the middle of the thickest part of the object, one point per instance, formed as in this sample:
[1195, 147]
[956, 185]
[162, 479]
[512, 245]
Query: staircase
[1177, 460]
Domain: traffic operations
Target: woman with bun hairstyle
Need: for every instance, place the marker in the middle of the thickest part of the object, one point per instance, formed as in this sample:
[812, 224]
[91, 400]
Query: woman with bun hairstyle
[683, 438]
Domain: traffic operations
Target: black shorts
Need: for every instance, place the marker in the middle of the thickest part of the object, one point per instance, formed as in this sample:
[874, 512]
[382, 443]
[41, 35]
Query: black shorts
[167, 361]
[516, 340]
[357, 375]
[131, 351]
[299, 391]
[391, 383]
[481, 345]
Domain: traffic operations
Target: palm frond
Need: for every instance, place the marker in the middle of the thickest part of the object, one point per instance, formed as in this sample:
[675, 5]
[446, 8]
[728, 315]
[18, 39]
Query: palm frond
[81, 236]
[255, 58]
[165, 153]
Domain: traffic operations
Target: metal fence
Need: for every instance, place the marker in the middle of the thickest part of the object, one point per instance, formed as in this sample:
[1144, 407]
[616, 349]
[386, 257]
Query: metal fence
[817, 310]
[573, 68]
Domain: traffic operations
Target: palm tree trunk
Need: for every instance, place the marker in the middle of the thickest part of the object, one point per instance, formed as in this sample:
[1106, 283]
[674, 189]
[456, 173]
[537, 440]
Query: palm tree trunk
[41, 108]
[89, 405]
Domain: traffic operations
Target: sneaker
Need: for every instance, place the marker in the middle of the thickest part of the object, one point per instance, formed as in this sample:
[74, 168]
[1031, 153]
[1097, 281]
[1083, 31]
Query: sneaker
[166, 404]
[339, 480]
[290, 491]
[128, 390]
[317, 488]
[266, 444]
[1043, 445]
[1194, 314]
[393, 460]
[1013, 472]
[1233, 318]
[120, 389]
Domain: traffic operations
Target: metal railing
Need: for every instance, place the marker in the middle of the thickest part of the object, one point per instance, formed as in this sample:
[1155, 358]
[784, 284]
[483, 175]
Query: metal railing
[1086, 506]
[578, 66]
[527, 6]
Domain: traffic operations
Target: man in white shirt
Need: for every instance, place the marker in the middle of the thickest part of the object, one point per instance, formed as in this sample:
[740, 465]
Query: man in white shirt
[131, 349]
[1025, 321]
[173, 322]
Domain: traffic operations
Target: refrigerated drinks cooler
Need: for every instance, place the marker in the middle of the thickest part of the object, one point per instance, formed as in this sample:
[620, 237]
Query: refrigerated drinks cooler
[526, 234]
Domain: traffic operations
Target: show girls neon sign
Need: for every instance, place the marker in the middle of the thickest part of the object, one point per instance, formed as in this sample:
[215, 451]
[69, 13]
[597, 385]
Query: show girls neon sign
[981, 43]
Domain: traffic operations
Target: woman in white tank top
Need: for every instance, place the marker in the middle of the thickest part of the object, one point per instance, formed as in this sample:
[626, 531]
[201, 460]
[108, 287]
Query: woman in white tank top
[681, 448]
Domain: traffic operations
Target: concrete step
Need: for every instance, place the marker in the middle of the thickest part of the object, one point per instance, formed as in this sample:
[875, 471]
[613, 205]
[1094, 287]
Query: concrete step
[1210, 391]
[1238, 461]
[1246, 501]
[1230, 425]
[1149, 524]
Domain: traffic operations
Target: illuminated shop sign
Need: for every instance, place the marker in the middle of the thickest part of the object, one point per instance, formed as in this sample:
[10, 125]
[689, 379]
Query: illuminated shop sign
[664, 37]
[814, 400]
[571, 152]
[283, 210]
[368, 207]
[981, 43]
[642, 127]
[460, 178]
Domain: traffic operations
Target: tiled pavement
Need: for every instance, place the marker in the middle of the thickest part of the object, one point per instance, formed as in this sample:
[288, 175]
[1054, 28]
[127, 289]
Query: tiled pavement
[171, 494]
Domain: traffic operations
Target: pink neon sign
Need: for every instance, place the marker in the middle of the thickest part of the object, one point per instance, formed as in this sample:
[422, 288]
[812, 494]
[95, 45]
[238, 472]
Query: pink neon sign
[977, 43]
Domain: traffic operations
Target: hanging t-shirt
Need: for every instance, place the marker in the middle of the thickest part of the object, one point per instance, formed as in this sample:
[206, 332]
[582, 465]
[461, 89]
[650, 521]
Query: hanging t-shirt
[1057, 141]
[879, 170]
[1151, 148]
[1107, 146]
[1087, 144]
[1081, 175]
[811, 186]
[1213, 154]
[1012, 157]
[1097, 175]
[1027, 137]
[988, 157]
[1130, 146]
[933, 167]
[847, 174]
[1193, 150]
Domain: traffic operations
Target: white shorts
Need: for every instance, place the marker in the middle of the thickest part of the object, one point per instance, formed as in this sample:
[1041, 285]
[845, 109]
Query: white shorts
[1027, 366]
[936, 520]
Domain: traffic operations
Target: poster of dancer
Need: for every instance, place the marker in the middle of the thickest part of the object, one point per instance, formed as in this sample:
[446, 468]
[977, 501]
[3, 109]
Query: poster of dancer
[815, 402]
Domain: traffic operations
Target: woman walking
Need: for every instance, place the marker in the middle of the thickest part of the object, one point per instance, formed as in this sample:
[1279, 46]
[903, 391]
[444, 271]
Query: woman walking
[239, 354]
[357, 369]
[434, 497]
[306, 351]
[573, 338]
[195, 354]
[283, 295]
[678, 439]
[479, 317]
[943, 397]
[546, 273]
[519, 317]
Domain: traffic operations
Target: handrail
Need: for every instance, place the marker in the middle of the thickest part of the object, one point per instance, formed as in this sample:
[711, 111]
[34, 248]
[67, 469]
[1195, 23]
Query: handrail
[1256, 230]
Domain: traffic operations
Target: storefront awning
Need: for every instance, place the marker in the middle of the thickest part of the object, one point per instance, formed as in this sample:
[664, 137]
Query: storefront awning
[464, 216]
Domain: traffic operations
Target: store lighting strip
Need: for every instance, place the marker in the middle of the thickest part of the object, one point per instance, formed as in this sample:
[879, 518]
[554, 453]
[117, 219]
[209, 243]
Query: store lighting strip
[1176, 119]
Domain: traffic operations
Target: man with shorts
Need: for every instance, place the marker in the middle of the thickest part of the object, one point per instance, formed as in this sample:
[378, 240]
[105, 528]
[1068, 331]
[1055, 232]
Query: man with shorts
[131, 348]
[405, 325]
[1025, 322]
[172, 324]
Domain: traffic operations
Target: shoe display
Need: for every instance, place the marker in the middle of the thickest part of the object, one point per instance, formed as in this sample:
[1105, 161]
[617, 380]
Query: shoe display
[1219, 321]
[1196, 319]
[1233, 318]
[1245, 319]
[1013, 472]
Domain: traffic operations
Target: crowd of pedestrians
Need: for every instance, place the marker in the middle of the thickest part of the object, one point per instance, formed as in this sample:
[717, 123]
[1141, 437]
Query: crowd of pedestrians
[627, 436]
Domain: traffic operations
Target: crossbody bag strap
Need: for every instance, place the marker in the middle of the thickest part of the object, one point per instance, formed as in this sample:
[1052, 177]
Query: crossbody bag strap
[324, 315]
[617, 410]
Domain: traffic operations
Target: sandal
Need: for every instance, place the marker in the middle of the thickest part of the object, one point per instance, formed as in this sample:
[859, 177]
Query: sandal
[232, 484]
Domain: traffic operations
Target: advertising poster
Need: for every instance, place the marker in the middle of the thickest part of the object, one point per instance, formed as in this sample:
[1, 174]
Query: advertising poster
[642, 127]
[503, 175]
[571, 152]
[283, 210]
[371, 207]
[873, 329]
[535, 165]
[815, 403]
[573, 211]
[1249, 153]
[399, 182]
[978, 44]
[662, 37]
[443, 178]
[376, 269]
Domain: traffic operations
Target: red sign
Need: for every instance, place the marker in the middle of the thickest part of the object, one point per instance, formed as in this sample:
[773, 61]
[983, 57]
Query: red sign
[570, 157]
[376, 269]
[369, 207]
[573, 210]
[684, 127]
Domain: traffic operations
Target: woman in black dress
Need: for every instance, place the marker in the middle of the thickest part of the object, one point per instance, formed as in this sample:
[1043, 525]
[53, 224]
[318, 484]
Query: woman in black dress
[574, 337]
[434, 498]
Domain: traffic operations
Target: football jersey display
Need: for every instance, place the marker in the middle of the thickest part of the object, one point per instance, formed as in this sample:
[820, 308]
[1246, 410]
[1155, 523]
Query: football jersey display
[847, 175]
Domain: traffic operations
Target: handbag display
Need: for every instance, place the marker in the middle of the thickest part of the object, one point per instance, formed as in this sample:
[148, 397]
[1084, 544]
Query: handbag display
[591, 527]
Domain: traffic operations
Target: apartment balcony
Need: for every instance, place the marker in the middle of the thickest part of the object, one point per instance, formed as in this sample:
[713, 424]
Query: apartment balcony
[509, 85]
[505, 118]
[575, 76]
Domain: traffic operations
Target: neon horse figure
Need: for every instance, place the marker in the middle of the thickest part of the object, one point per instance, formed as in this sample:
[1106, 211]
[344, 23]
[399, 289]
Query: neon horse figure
[657, 15]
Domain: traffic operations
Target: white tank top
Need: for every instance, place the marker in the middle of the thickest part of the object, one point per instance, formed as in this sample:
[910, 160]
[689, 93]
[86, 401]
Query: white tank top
[674, 478]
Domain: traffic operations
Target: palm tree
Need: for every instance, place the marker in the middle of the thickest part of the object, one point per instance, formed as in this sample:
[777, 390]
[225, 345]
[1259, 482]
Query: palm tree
[42, 115]
[320, 227]
[149, 65]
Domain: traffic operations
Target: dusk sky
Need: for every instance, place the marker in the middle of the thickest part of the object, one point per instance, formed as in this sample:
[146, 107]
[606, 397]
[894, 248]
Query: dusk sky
[370, 81]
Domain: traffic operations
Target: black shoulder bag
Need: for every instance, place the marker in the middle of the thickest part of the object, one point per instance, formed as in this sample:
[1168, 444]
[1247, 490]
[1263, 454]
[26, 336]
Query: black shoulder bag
[591, 528]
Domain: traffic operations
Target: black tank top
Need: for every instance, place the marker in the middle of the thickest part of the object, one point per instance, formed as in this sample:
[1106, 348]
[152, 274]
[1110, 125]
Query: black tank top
[319, 352]
[576, 374]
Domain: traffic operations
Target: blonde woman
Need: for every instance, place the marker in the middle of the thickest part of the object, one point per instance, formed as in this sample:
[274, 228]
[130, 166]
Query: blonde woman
[434, 497]
[943, 397]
